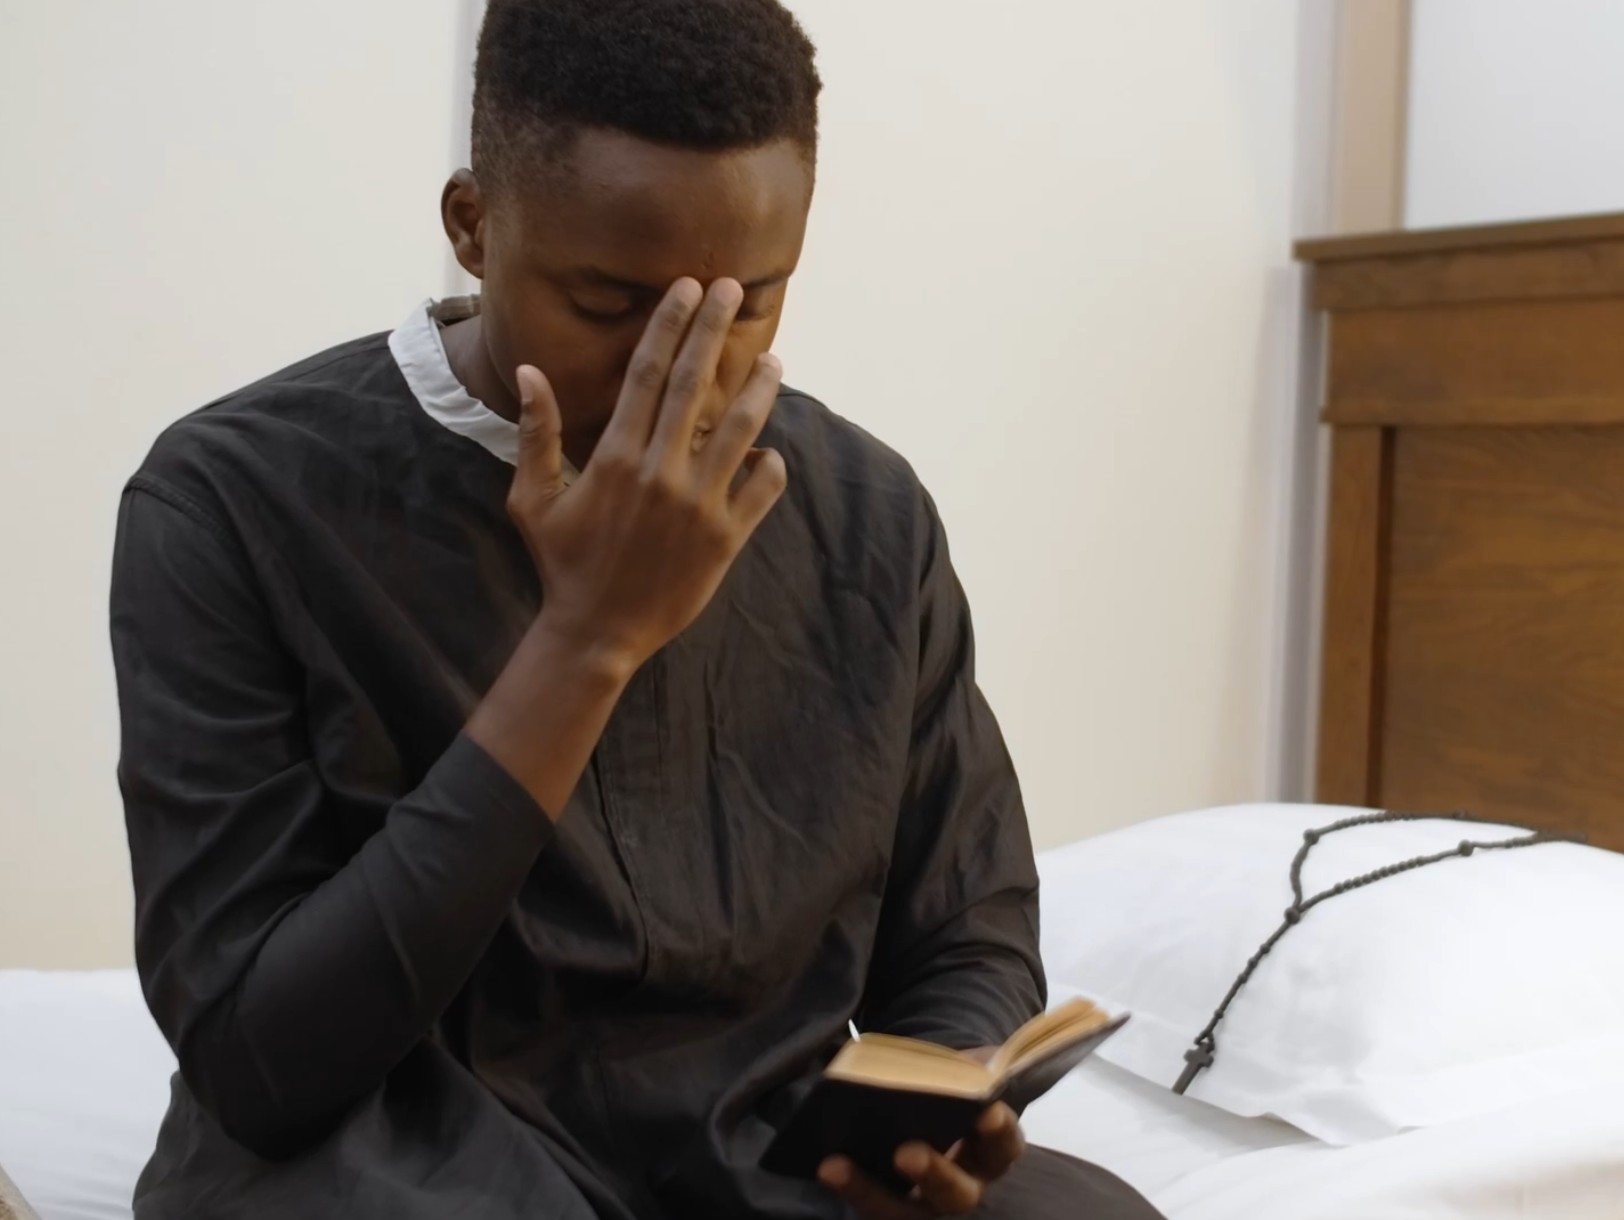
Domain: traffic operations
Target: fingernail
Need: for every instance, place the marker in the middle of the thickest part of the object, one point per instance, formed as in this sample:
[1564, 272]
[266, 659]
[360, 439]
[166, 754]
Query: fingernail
[834, 1172]
[913, 1160]
[772, 363]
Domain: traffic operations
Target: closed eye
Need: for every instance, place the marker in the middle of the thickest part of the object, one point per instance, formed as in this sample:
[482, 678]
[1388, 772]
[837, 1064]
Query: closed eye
[610, 312]
[606, 313]
[760, 305]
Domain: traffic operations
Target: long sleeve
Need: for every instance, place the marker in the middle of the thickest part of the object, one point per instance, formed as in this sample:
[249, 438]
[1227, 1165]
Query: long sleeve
[956, 959]
[289, 972]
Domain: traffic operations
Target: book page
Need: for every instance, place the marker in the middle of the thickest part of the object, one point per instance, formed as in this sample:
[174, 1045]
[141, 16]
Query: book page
[905, 1063]
[1045, 1033]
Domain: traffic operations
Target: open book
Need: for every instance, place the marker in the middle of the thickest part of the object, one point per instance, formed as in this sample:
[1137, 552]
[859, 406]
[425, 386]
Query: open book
[881, 1091]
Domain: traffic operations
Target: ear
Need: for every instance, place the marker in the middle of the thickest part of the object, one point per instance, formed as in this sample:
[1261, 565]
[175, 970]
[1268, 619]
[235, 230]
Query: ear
[462, 212]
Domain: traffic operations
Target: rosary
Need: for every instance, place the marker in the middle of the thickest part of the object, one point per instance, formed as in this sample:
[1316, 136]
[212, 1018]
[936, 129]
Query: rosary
[1202, 1054]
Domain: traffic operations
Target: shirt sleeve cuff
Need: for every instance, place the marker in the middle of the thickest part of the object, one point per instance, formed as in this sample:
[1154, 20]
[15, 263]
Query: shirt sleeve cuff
[467, 778]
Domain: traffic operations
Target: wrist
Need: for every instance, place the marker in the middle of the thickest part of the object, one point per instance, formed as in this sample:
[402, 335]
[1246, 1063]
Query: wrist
[582, 653]
[542, 717]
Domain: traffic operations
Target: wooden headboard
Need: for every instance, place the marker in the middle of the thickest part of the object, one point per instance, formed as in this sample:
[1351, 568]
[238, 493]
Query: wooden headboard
[1474, 624]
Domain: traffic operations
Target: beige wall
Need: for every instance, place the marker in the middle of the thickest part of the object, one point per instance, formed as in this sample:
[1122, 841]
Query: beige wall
[194, 193]
[1517, 111]
[1049, 262]
[1372, 93]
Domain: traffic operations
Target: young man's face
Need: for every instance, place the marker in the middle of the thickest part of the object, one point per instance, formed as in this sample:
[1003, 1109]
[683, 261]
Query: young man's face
[572, 272]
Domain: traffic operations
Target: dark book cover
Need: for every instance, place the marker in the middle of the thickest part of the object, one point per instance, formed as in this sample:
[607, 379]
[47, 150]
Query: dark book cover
[868, 1123]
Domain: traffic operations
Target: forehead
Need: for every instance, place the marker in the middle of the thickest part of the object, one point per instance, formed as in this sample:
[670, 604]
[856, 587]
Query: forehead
[650, 213]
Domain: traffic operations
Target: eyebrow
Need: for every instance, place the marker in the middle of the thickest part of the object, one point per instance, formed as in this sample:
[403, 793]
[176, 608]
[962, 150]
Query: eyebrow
[606, 280]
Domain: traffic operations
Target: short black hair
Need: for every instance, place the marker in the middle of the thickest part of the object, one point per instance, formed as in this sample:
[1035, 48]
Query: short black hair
[714, 75]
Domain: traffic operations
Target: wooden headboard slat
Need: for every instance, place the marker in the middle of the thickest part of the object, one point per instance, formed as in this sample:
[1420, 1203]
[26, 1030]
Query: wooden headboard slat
[1545, 351]
[1478, 412]
[1559, 231]
[1410, 281]
[1350, 706]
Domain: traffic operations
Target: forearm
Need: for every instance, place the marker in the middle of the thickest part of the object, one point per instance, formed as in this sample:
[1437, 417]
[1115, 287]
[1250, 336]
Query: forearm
[967, 995]
[359, 970]
[544, 715]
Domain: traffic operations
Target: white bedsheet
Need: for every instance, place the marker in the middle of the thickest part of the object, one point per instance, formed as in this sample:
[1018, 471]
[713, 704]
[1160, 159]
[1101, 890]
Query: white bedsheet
[1561, 1159]
[1147, 1136]
[84, 1082]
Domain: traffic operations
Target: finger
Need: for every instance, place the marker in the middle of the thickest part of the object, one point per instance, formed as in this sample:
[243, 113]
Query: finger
[997, 1144]
[539, 473]
[948, 1189]
[694, 372]
[741, 425]
[644, 386]
[867, 1197]
[764, 483]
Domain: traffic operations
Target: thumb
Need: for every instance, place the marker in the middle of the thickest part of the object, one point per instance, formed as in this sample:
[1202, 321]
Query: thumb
[541, 436]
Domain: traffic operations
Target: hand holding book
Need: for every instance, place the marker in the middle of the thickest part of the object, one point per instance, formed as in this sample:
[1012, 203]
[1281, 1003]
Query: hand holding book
[943, 1184]
[884, 1102]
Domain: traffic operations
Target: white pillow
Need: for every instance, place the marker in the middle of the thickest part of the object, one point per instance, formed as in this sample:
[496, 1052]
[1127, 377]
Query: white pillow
[1456, 990]
[84, 1082]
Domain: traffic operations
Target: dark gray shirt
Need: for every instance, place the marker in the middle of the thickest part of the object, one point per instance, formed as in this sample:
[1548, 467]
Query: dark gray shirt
[394, 988]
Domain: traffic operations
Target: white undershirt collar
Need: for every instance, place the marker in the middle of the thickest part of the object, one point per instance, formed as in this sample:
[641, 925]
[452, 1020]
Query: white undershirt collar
[420, 352]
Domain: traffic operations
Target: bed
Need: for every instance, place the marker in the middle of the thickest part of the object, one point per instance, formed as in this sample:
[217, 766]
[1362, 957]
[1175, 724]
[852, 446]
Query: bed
[84, 1075]
[1196, 1162]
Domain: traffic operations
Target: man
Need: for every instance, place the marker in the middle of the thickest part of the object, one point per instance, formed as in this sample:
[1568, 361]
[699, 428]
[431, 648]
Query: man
[542, 732]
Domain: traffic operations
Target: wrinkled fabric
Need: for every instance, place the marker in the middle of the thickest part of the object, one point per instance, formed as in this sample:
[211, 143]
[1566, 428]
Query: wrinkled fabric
[393, 987]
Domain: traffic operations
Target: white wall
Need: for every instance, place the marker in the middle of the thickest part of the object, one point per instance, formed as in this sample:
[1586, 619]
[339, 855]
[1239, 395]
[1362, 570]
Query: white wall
[194, 193]
[1516, 110]
[1049, 261]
